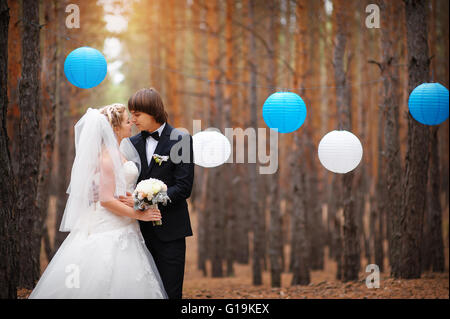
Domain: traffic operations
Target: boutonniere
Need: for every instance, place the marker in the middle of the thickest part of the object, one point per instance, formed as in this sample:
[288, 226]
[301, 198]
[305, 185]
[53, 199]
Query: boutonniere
[159, 159]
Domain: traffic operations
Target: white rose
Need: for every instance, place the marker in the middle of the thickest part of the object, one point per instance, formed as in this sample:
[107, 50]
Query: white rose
[156, 188]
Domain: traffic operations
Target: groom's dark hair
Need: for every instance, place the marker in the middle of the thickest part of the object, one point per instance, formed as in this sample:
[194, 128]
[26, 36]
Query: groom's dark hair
[148, 101]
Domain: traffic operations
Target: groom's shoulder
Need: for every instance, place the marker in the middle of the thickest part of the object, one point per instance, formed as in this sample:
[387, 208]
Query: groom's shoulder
[135, 138]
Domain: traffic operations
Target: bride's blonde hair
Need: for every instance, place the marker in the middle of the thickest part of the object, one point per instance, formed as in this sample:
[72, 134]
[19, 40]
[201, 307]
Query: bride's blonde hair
[114, 114]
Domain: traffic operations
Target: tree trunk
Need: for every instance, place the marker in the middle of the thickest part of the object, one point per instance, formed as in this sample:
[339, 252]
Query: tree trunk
[376, 220]
[229, 108]
[442, 74]
[243, 218]
[390, 76]
[350, 241]
[242, 120]
[315, 221]
[299, 245]
[257, 215]
[416, 172]
[14, 70]
[202, 214]
[312, 129]
[30, 148]
[201, 180]
[335, 205]
[48, 81]
[63, 125]
[156, 44]
[172, 94]
[8, 230]
[217, 218]
[434, 241]
[299, 79]
[275, 239]
[379, 206]
[360, 206]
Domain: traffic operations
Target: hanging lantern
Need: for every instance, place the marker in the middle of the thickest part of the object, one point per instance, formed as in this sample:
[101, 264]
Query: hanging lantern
[284, 112]
[340, 151]
[428, 103]
[210, 148]
[85, 67]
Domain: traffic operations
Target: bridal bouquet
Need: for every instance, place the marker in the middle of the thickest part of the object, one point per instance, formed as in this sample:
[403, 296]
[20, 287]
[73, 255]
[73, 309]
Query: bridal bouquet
[148, 194]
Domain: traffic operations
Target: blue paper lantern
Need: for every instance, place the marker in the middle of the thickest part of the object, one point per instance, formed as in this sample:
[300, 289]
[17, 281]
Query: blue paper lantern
[284, 112]
[85, 67]
[428, 103]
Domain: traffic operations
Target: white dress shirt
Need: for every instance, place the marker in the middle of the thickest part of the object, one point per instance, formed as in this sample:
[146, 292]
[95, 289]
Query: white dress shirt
[151, 143]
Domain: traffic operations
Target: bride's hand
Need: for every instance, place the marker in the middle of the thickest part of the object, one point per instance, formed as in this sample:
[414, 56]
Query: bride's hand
[151, 214]
[128, 200]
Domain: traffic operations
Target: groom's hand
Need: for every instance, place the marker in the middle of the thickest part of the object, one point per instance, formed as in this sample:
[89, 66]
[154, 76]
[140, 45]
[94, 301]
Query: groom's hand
[127, 200]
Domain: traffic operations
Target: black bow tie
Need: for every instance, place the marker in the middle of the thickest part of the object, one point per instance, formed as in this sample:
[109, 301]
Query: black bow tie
[146, 134]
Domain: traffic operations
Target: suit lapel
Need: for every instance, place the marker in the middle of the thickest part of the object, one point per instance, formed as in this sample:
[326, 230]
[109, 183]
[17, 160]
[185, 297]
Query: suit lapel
[140, 147]
[162, 140]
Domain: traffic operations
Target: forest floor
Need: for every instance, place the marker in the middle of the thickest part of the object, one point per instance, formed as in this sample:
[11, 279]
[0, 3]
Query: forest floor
[323, 282]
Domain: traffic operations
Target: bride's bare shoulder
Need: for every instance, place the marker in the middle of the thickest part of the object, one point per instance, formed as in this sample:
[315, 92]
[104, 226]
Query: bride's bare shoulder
[106, 158]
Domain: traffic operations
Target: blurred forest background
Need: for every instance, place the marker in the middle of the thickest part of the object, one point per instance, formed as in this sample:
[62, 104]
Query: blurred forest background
[218, 61]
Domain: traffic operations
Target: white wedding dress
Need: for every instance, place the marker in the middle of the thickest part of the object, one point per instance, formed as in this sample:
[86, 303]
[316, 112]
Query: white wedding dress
[104, 256]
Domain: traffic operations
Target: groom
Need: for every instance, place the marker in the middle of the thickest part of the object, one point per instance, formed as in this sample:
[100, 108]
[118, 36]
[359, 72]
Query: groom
[167, 242]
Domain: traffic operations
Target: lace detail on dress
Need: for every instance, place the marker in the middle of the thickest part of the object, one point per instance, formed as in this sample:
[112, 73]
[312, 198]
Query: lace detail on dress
[146, 271]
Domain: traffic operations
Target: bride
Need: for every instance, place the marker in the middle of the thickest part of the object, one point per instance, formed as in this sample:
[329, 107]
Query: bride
[104, 256]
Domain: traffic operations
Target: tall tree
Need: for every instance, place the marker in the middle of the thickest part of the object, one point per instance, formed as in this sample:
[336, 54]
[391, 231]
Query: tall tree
[433, 242]
[300, 244]
[8, 231]
[62, 133]
[217, 218]
[311, 78]
[390, 76]
[433, 248]
[257, 215]
[378, 204]
[48, 127]
[172, 94]
[275, 239]
[29, 147]
[14, 70]
[350, 241]
[359, 121]
[416, 170]
[241, 119]
[229, 108]
[201, 174]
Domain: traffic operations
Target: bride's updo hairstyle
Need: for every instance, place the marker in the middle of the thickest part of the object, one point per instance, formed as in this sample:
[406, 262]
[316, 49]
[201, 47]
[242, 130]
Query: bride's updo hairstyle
[114, 114]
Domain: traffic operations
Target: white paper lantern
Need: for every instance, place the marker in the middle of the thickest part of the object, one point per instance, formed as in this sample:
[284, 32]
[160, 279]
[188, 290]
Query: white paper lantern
[340, 151]
[210, 148]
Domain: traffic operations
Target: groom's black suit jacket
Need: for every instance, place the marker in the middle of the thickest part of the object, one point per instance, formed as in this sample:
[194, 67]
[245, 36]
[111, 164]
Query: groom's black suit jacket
[179, 179]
